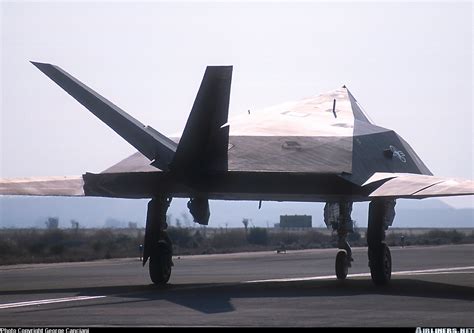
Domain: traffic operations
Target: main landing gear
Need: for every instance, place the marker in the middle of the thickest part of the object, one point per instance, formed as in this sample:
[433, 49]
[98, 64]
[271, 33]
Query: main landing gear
[158, 246]
[381, 215]
[337, 215]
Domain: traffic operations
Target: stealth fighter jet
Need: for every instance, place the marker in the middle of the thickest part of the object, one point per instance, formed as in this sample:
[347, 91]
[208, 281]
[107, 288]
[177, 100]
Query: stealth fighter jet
[320, 149]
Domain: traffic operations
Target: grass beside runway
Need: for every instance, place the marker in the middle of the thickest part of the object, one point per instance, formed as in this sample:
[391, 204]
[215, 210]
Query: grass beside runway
[64, 245]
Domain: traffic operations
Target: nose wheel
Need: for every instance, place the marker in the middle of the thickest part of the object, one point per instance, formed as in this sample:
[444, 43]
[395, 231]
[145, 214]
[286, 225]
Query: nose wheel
[338, 216]
[342, 265]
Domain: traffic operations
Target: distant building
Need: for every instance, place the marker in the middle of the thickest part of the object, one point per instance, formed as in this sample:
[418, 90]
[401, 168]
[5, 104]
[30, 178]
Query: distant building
[295, 221]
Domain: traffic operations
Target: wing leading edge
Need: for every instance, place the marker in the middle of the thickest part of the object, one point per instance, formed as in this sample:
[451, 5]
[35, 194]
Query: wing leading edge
[406, 185]
[71, 186]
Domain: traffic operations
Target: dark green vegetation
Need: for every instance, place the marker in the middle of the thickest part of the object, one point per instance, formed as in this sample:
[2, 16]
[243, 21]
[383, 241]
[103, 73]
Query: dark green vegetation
[46, 245]
[40, 245]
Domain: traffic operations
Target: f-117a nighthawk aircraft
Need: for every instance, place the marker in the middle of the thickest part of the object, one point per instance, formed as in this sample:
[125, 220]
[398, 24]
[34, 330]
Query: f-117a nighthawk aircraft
[319, 149]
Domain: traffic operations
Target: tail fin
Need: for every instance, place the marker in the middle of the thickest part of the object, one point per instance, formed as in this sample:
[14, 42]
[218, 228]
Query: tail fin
[204, 143]
[154, 145]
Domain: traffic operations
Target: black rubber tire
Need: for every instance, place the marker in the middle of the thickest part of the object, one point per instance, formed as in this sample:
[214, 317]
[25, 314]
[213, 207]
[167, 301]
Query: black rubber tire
[342, 267]
[380, 263]
[161, 264]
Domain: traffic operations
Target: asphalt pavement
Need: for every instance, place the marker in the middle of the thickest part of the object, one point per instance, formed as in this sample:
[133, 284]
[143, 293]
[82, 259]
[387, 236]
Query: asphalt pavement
[431, 286]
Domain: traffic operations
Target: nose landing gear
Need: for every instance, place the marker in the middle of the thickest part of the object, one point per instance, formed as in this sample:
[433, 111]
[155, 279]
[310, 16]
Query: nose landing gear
[381, 215]
[338, 216]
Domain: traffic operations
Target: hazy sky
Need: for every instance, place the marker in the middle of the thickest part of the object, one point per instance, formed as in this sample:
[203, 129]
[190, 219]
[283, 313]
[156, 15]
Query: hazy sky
[409, 64]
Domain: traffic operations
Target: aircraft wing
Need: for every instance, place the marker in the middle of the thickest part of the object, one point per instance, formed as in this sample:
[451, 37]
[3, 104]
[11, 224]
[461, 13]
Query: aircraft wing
[202, 148]
[407, 185]
[74, 185]
[43, 186]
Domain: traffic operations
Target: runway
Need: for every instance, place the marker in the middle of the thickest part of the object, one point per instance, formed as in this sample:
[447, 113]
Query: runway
[431, 287]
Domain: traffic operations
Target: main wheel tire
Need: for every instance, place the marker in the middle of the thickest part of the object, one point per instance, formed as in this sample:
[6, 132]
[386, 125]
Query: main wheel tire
[341, 265]
[380, 263]
[160, 264]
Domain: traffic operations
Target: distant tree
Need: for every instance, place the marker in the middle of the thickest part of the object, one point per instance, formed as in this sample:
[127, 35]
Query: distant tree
[186, 220]
[74, 225]
[52, 223]
[246, 224]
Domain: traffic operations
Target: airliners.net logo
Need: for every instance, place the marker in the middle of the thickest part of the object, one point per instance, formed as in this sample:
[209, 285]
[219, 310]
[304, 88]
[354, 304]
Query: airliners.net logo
[444, 330]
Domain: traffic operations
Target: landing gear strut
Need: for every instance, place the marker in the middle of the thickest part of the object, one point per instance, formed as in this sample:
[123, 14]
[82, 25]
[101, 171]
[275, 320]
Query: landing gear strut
[338, 216]
[158, 246]
[381, 215]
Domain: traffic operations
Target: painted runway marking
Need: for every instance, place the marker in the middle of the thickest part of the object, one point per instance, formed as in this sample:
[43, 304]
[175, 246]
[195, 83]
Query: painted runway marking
[449, 270]
[48, 301]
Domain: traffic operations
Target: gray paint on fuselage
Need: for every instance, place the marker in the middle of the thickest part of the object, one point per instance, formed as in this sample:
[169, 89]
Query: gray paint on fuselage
[290, 154]
[369, 158]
